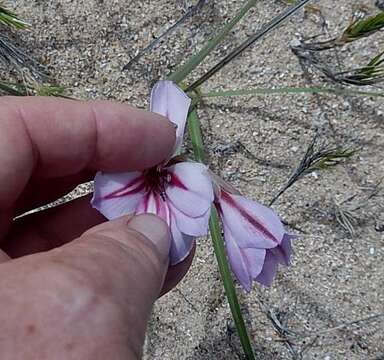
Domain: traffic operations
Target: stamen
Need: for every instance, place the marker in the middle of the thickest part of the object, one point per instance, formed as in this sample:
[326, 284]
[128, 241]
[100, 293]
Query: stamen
[157, 179]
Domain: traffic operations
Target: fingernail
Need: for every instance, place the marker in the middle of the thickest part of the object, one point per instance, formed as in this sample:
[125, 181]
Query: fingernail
[155, 229]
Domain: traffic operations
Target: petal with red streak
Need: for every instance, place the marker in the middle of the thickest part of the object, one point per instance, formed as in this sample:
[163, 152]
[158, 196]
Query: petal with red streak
[153, 203]
[117, 194]
[252, 224]
[190, 189]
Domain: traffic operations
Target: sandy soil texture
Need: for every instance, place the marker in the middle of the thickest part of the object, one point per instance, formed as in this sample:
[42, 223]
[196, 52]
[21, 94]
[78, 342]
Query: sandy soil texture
[329, 304]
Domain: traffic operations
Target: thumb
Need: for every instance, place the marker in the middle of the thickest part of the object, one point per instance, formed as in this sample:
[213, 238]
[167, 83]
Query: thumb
[134, 248]
[125, 261]
[91, 297]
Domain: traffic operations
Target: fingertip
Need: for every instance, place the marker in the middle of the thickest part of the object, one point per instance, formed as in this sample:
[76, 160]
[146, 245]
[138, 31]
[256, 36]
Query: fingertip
[144, 138]
[154, 229]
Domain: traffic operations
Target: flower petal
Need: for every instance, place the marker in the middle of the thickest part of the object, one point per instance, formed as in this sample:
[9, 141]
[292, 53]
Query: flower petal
[117, 194]
[237, 261]
[197, 226]
[190, 189]
[254, 259]
[181, 244]
[269, 270]
[169, 100]
[253, 225]
[283, 252]
[152, 203]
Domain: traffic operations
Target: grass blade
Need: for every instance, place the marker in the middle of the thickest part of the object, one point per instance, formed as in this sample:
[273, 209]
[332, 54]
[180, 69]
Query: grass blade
[7, 88]
[319, 156]
[362, 28]
[218, 245]
[10, 55]
[246, 44]
[165, 34]
[290, 90]
[181, 73]
[9, 18]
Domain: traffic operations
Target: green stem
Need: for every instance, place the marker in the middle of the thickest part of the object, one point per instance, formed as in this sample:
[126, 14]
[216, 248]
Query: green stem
[180, 74]
[289, 90]
[218, 245]
[196, 136]
[12, 89]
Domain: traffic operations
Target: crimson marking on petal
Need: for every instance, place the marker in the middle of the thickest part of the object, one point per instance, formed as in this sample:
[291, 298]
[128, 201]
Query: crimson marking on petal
[126, 190]
[142, 207]
[175, 181]
[259, 226]
[158, 205]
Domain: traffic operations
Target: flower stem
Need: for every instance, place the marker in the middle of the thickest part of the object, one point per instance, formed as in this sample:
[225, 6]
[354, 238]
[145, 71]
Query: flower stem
[218, 244]
[181, 73]
[196, 136]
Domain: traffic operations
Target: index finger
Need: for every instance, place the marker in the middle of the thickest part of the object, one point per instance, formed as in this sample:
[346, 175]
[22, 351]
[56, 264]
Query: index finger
[46, 138]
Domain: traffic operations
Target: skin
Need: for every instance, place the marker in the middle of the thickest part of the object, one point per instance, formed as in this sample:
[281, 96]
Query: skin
[72, 285]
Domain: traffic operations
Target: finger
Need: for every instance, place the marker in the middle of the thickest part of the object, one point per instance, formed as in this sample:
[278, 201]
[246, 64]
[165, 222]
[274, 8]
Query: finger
[113, 273]
[48, 138]
[39, 192]
[57, 226]
[130, 260]
[48, 229]
[3, 257]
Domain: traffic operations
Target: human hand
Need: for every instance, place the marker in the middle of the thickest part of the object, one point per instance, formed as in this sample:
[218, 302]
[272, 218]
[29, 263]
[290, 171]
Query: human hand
[73, 286]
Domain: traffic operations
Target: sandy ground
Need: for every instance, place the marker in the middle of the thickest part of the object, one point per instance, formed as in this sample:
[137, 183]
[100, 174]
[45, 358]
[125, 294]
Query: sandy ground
[335, 278]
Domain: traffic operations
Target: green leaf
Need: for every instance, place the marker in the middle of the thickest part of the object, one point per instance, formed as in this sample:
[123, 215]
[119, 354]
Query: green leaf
[218, 245]
[372, 73]
[318, 156]
[327, 157]
[9, 18]
[15, 89]
[7, 88]
[181, 73]
[50, 90]
[365, 27]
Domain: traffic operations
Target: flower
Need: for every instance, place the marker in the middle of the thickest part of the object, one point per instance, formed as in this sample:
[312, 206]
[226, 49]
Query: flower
[182, 193]
[179, 192]
[255, 239]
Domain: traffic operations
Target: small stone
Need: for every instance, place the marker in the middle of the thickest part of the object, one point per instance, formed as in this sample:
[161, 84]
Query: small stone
[315, 175]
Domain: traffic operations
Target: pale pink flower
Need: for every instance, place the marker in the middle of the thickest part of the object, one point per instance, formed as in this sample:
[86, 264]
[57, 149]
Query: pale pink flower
[178, 192]
[182, 194]
[255, 239]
